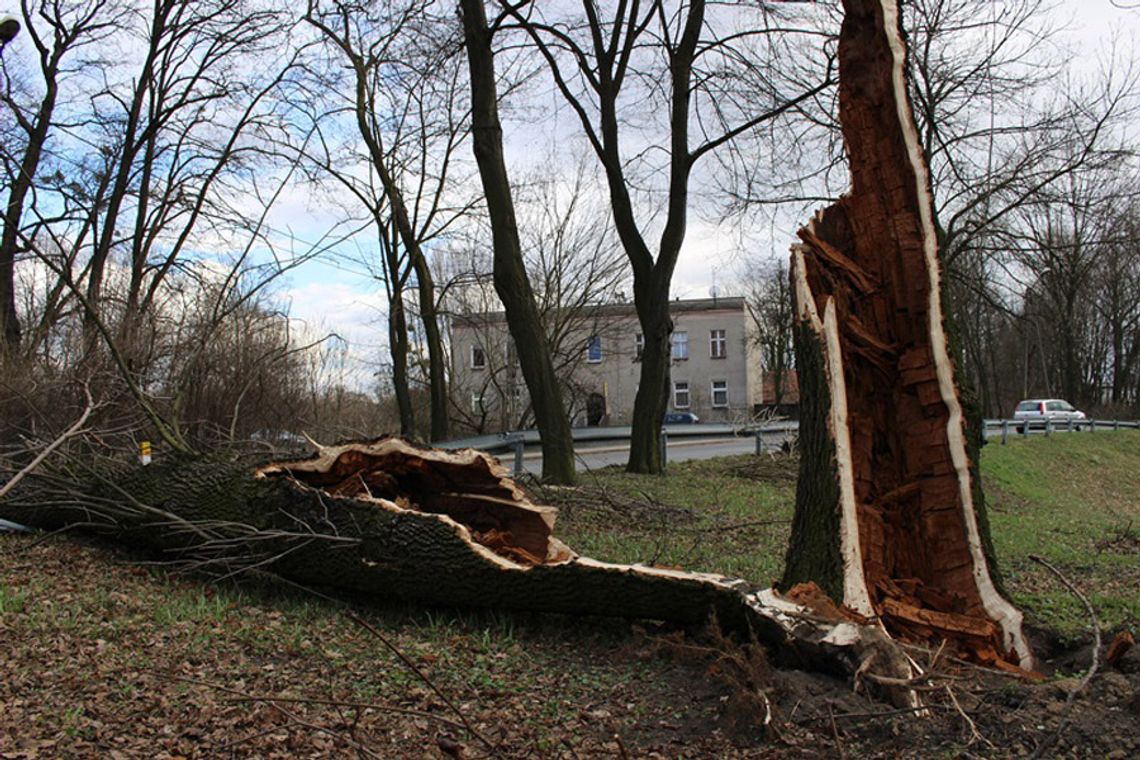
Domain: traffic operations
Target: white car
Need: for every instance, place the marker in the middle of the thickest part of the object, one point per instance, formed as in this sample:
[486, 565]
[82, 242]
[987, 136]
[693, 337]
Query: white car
[1035, 412]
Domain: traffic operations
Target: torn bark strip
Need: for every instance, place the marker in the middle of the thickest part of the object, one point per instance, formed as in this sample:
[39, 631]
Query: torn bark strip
[889, 514]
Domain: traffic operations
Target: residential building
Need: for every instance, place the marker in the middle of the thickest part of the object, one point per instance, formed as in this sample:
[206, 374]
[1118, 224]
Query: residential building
[715, 371]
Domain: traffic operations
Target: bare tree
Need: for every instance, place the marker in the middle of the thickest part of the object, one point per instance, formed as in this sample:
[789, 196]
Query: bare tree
[58, 32]
[1116, 292]
[682, 64]
[576, 264]
[768, 293]
[404, 97]
[1061, 244]
[511, 281]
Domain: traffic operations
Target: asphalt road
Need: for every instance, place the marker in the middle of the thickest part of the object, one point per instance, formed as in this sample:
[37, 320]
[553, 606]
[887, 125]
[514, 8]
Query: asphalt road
[595, 455]
[592, 457]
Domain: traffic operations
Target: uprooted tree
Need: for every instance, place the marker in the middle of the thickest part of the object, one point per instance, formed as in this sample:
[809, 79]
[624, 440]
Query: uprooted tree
[888, 516]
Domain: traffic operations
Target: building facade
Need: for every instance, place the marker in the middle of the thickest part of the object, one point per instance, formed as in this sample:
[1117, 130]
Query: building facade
[715, 371]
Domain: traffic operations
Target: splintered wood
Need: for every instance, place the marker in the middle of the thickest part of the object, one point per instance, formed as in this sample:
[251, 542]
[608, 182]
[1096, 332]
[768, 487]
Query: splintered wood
[872, 259]
[470, 488]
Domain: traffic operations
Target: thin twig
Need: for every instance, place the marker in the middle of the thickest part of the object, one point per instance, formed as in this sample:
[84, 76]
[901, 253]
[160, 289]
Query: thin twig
[621, 747]
[360, 747]
[244, 739]
[422, 676]
[975, 735]
[835, 732]
[47, 450]
[875, 714]
[1044, 746]
[272, 702]
[350, 704]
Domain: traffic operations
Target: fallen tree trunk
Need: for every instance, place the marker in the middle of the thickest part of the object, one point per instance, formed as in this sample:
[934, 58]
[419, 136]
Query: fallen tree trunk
[396, 521]
[889, 512]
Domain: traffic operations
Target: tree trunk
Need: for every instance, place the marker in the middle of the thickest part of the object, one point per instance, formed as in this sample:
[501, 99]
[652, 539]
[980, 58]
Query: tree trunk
[398, 348]
[511, 282]
[653, 386]
[889, 515]
[437, 357]
[22, 184]
[389, 519]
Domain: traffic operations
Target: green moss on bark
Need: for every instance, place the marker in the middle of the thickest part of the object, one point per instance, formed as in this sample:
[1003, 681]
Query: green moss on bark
[813, 551]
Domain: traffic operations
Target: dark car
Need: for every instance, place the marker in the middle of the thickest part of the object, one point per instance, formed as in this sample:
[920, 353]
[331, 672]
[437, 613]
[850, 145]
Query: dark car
[681, 418]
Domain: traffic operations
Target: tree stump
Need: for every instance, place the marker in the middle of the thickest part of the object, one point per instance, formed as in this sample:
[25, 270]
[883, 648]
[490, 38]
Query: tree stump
[890, 518]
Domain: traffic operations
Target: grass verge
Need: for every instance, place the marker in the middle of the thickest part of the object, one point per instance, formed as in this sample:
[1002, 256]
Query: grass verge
[1073, 499]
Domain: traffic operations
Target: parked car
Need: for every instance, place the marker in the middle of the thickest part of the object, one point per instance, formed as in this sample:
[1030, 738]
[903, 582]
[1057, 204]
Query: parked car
[681, 418]
[1034, 412]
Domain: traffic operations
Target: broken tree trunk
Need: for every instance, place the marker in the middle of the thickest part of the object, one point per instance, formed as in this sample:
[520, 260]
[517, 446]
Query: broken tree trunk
[889, 512]
[392, 520]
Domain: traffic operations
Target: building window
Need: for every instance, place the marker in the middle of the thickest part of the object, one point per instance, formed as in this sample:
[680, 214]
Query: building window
[478, 357]
[477, 402]
[638, 347]
[717, 344]
[719, 393]
[594, 349]
[680, 345]
[680, 395]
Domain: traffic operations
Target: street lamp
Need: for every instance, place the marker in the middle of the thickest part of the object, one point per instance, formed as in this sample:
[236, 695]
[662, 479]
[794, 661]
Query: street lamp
[9, 28]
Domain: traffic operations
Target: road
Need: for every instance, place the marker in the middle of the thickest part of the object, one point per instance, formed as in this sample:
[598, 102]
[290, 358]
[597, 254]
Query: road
[592, 457]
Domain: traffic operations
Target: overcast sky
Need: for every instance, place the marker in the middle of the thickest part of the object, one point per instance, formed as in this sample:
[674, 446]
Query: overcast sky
[341, 297]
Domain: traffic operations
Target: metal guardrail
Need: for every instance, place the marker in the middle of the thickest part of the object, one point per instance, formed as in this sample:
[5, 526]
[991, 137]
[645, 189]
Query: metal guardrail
[506, 441]
[1024, 428]
[517, 442]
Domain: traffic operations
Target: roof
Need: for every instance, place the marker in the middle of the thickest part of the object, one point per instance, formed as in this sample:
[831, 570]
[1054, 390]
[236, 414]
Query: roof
[624, 309]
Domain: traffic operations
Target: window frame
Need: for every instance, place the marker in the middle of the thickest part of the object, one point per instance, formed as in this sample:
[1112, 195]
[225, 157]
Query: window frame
[718, 340]
[482, 354]
[679, 347]
[638, 346]
[713, 390]
[677, 390]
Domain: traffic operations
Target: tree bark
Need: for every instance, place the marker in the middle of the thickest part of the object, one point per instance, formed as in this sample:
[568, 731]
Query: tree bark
[393, 520]
[437, 357]
[37, 133]
[511, 282]
[398, 337]
[889, 512]
[653, 389]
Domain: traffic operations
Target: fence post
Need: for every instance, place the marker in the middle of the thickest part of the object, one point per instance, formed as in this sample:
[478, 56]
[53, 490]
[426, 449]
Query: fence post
[759, 441]
[1004, 432]
[1025, 428]
[664, 448]
[1048, 427]
[1092, 426]
[518, 445]
[1116, 424]
[1069, 427]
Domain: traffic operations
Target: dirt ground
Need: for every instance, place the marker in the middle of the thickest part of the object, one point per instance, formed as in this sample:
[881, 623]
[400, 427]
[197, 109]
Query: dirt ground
[104, 656]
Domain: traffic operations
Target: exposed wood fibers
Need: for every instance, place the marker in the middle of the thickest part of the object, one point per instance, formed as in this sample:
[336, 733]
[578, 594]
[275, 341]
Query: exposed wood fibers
[474, 493]
[865, 253]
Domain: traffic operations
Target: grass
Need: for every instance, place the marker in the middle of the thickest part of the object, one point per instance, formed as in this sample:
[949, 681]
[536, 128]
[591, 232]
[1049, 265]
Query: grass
[1074, 500]
[722, 515]
[113, 642]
